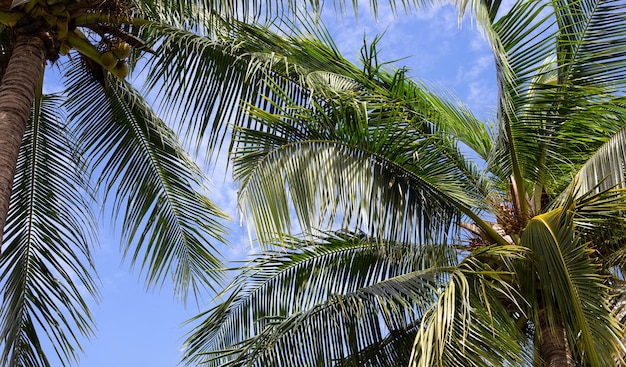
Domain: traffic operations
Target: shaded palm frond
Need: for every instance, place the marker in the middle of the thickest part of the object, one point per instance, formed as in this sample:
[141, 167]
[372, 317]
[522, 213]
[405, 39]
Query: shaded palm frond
[524, 40]
[563, 99]
[46, 266]
[169, 226]
[297, 278]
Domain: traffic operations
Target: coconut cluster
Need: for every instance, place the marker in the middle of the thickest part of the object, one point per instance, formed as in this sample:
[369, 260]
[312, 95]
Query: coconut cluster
[67, 25]
[114, 60]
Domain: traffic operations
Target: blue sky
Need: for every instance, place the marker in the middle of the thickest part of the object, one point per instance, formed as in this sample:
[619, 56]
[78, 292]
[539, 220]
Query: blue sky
[136, 327]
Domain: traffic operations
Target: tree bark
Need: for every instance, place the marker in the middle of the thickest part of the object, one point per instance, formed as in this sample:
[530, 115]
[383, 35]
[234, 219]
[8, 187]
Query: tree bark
[17, 93]
[555, 350]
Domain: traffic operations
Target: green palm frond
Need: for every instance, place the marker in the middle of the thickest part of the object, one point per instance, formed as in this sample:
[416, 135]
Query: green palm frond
[467, 325]
[349, 324]
[591, 43]
[355, 327]
[361, 162]
[299, 277]
[571, 287]
[169, 226]
[205, 78]
[562, 100]
[46, 266]
[605, 168]
[524, 40]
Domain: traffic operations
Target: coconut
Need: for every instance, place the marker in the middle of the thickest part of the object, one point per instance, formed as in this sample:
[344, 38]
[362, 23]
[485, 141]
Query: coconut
[121, 50]
[108, 60]
[121, 70]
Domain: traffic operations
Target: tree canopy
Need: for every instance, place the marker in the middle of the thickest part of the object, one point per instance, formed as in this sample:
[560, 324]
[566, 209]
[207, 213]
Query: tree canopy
[412, 253]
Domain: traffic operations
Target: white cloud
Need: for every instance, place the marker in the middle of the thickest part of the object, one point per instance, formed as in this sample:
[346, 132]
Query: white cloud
[474, 68]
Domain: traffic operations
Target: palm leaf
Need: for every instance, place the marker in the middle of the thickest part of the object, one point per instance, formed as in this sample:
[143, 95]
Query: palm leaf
[562, 99]
[468, 326]
[169, 226]
[349, 323]
[46, 267]
[571, 287]
[352, 329]
[228, 65]
[605, 168]
[359, 159]
[299, 277]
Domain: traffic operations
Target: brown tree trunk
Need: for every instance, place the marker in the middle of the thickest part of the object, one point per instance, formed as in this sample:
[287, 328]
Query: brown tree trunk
[555, 350]
[17, 92]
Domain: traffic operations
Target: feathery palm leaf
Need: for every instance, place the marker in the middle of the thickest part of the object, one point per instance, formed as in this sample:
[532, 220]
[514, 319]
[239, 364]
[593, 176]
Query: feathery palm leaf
[228, 65]
[280, 283]
[568, 69]
[571, 287]
[167, 221]
[46, 265]
[467, 325]
[405, 143]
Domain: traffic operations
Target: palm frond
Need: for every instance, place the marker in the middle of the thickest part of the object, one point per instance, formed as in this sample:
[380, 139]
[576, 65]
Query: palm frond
[46, 268]
[571, 287]
[298, 277]
[360, 161]
[353, 328]
[203, 79]
[169, 226]
[562, 100]
[468, 326]
[524, 39]
[350, 323]
[605, 168]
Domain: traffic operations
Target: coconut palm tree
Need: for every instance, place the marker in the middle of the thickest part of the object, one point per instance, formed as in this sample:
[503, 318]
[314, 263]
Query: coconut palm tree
[429, 237]
[100, 136]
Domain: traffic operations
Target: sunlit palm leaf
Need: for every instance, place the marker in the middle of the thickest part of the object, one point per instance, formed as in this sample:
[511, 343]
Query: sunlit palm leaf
[228, 66]
[468, 326]
[341, 164]
[46, 267]
[525, 40]
[294, 280]
[348, 323]
[606, 168]
[572, 287]
[170, 227]
[352, 329]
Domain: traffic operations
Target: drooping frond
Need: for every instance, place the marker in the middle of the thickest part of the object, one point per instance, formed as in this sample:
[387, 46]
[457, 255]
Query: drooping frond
[204, 79]
[157, 193]
[353, 161]
[46, 269]
[356, 327]
[343, 326]
[298, 278]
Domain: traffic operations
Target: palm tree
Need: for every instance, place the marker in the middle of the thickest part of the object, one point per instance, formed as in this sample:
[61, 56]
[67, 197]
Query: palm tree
[100, 136]
[411, 252]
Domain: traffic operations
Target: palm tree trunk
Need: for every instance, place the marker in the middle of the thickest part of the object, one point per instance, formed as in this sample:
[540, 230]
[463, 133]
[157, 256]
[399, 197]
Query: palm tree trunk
[555, 350]
[17, 92]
